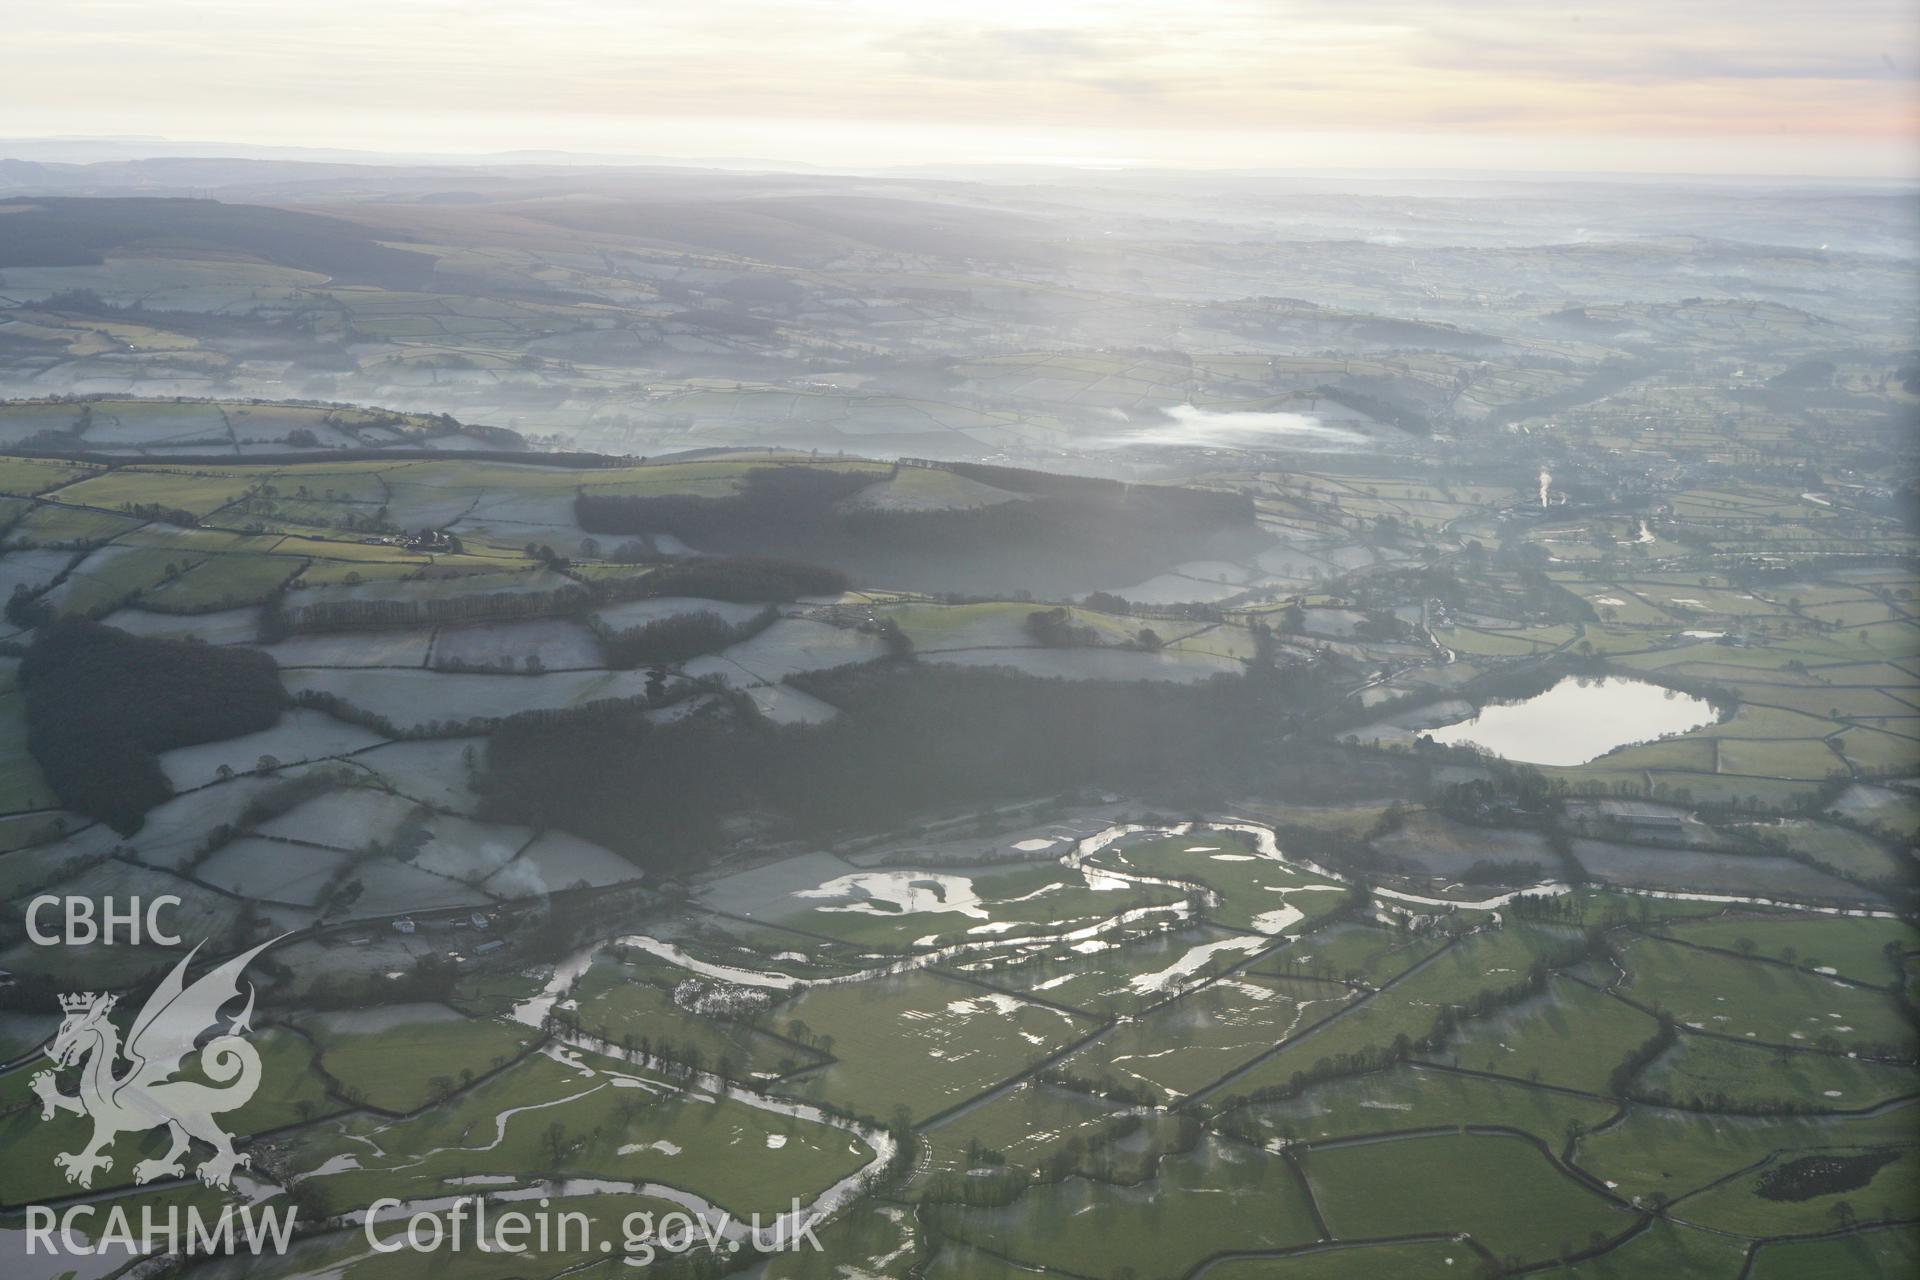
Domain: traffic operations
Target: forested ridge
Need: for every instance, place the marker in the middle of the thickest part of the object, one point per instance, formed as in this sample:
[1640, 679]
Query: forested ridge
[1060, 533]
[743, 579]
[910, 738]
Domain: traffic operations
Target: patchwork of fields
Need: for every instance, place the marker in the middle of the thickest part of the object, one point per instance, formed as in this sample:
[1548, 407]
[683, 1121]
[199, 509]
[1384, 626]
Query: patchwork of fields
[1461, 1015]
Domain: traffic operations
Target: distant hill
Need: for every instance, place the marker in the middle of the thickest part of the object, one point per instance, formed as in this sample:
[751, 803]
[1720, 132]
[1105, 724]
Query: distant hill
[180, 428]
[60, 231]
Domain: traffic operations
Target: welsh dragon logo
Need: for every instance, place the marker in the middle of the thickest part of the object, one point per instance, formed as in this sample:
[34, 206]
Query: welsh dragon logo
[146, 1095]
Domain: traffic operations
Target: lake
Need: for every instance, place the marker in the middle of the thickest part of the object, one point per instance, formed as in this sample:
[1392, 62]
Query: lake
[1578, 720]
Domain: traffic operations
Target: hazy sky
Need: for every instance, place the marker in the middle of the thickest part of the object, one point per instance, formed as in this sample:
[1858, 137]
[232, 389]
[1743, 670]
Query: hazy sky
[1755, 86]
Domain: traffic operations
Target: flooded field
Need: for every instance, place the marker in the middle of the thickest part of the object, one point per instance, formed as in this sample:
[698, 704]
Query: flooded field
[1579, 720]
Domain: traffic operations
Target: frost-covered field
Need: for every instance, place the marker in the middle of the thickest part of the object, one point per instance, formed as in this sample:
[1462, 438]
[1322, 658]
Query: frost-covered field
[413, 699]
[226, 626]
[557, 860]
[175, 830]
[468, 851]
[301, 735]
[105, 574]
[517, 582]
[332, 599]
[149, 424]
[355, 649]
[1174, 588]
[272, 869]
[789, 646]
[354, 819]
[434, 772]
[391, 887]
[31, 568]
[553, 644]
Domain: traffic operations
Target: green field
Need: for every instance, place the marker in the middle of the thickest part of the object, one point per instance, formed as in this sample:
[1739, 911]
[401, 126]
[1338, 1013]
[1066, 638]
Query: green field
[1354, 1262]
[290, 1093]
[1221, 1197]
[1768, 1003]
[1218, 1028]
[921, 1042]
[1866, 1255]
[618, 1006]
[1571, 1036]
[1707, 1070]
[1885, 1193]
[1406, 1098]
[197, 492]
[1491, 962]
[1503, 1191]
[1350, 952]
[1654, 1151]
[413, 1059]
[223, 582]
[1856, 949]
[742, 1157]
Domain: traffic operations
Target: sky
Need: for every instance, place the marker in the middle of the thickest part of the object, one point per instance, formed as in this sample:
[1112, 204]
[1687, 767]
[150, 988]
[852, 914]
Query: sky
[1825, 87]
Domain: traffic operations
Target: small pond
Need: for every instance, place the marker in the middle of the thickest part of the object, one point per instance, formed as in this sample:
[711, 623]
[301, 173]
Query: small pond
[1578, 720]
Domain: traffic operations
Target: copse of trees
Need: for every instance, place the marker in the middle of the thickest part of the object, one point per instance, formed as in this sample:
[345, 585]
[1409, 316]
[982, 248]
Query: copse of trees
[1056, 629]
[1825, 1174]
[680, 636]
[102, 704]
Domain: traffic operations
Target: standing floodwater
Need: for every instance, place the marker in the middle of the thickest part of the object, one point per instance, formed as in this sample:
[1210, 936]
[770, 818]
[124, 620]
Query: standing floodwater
[1578, 720]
